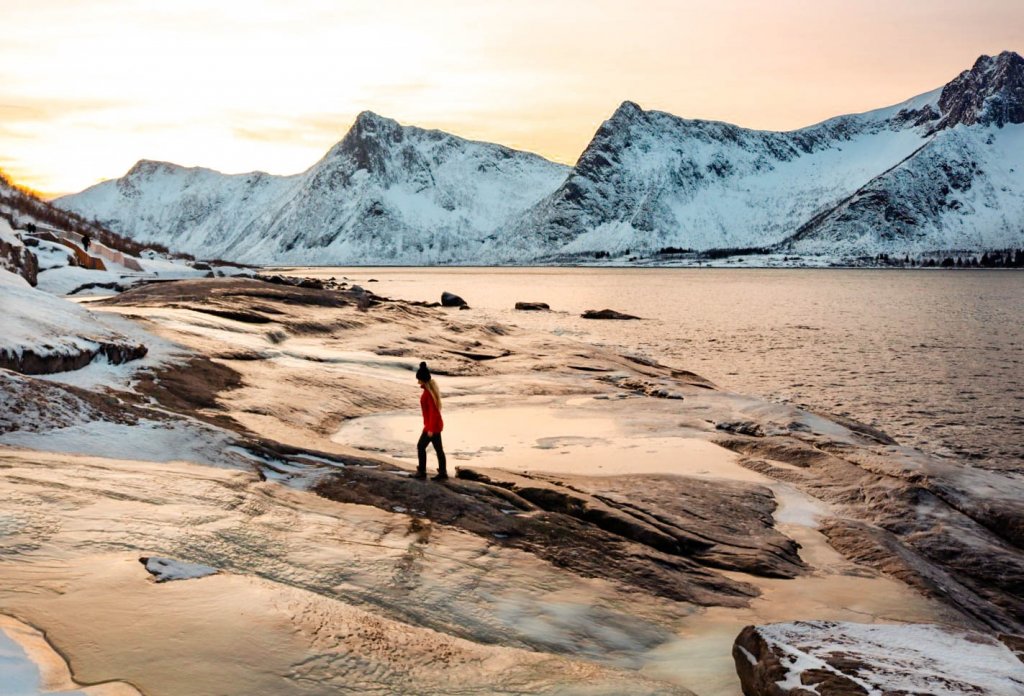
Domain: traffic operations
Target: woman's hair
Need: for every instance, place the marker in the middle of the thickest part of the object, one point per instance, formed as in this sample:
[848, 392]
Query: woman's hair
[435, 392]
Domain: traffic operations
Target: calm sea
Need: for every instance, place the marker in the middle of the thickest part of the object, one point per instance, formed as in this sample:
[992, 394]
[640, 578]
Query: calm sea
[934, 358]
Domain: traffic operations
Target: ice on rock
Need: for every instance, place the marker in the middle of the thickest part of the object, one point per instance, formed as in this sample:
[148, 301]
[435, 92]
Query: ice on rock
[166, 569]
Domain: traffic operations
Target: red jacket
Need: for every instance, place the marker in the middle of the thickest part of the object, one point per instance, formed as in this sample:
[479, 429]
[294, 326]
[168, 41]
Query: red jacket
[432, 422]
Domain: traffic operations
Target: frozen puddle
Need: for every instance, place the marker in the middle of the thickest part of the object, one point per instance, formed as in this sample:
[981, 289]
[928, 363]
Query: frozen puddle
[29, 666]
[551, 437]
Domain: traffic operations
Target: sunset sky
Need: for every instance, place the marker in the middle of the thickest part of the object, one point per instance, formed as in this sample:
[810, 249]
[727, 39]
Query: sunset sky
[88, 88]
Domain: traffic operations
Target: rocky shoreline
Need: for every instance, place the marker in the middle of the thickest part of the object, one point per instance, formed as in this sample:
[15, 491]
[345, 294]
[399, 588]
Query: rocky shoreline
[253, 380]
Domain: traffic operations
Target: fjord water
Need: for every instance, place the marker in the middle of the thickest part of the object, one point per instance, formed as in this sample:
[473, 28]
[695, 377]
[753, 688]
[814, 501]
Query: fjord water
[934, 358]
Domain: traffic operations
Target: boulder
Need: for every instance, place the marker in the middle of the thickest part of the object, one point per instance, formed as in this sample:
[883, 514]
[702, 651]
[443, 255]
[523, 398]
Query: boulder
[15, 256]
[826, 658]
[742, 428]
[449, 299]
[532, 306]
[606, 314]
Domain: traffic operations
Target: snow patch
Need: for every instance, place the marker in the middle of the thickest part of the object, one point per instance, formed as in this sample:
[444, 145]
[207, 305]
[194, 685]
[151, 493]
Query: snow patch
[167, 569]
[908, 658]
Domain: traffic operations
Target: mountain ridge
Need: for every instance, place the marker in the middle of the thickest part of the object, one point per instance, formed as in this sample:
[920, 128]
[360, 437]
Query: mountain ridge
[902, 178]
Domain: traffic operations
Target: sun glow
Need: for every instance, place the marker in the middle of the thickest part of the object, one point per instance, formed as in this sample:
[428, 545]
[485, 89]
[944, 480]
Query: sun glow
[88, 89]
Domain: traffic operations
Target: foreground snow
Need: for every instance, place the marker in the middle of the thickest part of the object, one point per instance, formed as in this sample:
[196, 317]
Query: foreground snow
[166, 569]
[37, 322]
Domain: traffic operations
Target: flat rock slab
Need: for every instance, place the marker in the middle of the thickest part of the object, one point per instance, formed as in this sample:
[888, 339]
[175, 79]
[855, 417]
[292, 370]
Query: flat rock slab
[668, 536]
[950, 534]
[827, 658]
[533, 306]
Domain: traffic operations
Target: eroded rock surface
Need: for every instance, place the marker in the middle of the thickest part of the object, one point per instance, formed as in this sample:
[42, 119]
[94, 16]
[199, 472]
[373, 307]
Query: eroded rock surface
[952, 532]
[666, 535]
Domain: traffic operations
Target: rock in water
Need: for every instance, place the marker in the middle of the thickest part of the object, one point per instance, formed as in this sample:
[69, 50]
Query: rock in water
[606, 314]
[845, 659]
[532, 306]
[449, 299]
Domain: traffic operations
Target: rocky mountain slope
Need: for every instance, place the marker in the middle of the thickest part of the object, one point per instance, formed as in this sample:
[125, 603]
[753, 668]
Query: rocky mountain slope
[944, 170]
[385, 193]
[941, 171]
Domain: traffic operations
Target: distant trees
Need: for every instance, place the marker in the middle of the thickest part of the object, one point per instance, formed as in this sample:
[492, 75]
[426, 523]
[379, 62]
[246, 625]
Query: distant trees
[18, 202]
[1005, 258]
[735, 251]
[999, 258]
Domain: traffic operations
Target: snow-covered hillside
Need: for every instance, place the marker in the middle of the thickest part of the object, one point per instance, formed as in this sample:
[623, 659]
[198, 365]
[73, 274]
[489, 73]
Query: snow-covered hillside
[944, 170]
[385, 193]
[650, 180]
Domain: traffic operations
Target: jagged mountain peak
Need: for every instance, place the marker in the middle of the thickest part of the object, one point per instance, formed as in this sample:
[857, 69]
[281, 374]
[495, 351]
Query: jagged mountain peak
[370, 136]
[148, 167]
[371, 123]
[627, 111]
[385, 191]
[1003, 60]
[991, 92]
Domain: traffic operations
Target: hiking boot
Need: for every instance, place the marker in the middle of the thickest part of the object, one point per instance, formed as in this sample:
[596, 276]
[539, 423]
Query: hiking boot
[441, 476]
[420, 475]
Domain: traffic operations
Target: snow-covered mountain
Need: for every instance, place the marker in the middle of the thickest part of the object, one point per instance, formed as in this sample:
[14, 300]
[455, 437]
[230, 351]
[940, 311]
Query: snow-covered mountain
[962, 189]
[385, 193]
[944, 170]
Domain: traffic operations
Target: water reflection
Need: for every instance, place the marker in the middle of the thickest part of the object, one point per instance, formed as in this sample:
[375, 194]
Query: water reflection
[932, 357]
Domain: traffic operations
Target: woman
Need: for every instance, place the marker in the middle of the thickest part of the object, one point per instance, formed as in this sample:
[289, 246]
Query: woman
[430, 404]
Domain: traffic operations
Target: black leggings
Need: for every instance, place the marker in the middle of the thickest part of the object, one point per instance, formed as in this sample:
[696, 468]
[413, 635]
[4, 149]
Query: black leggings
[421, 451]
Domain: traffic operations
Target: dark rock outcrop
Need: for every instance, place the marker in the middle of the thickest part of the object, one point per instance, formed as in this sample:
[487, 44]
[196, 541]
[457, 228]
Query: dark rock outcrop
[16, 258]
[742, 427]
[449, 299]
[991, 92]
[606, 314]
[665, 535]
[532, 306]
[31, 363]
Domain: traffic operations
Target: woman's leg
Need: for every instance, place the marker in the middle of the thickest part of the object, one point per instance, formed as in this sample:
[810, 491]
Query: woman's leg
[442, 461]
[421, 453]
